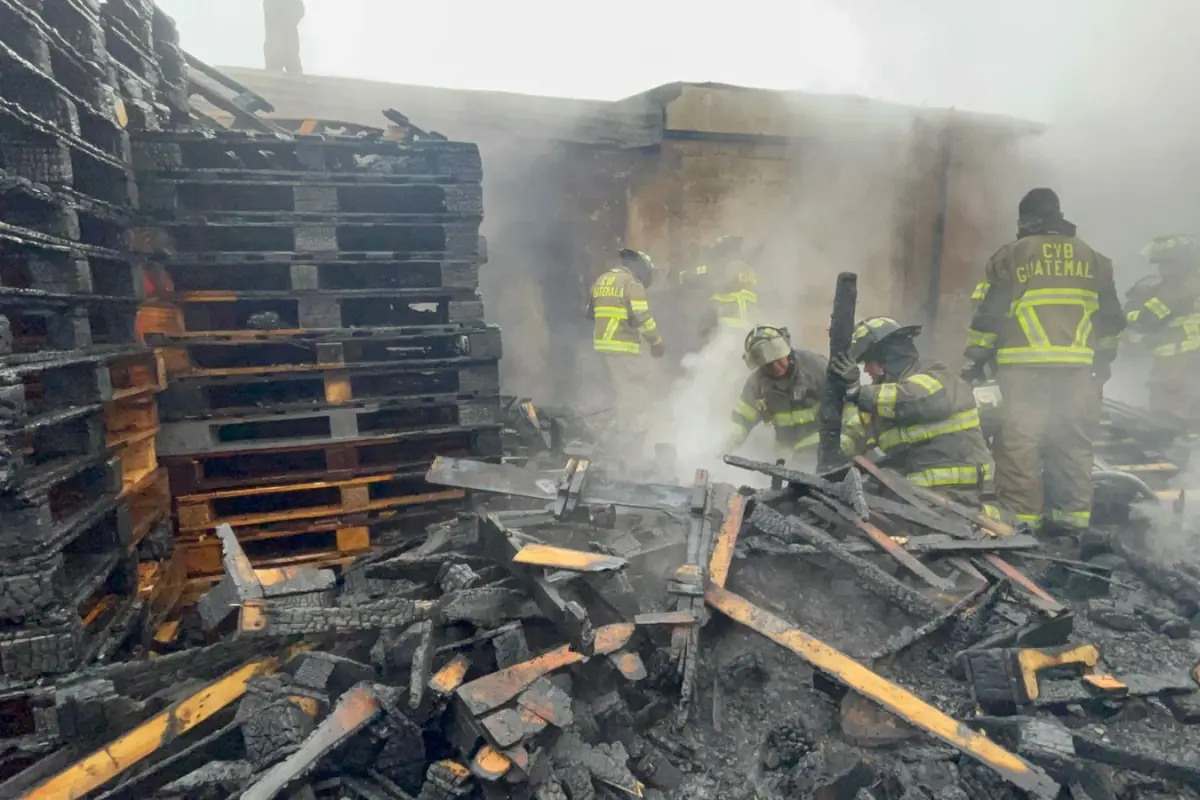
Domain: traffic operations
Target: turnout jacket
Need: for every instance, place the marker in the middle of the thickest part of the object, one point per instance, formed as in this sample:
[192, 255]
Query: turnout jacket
[621, 313]
[790, 404]
[927, 423]
[1165, 313]
[734, 288]
[1046, 300]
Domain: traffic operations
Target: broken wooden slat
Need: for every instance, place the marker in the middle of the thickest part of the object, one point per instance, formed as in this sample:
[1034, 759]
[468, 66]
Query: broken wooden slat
[354, 710]
[100, 767]
[899, 701]
[722, 554]
[541, 555]
[491, 691]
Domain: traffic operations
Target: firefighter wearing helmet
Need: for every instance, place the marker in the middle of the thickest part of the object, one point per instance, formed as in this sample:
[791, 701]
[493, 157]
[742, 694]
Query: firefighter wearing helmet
[1047, 319]
[784, 391]
[732, 286]
[1164, 313]
[623, 321]
[920, 414]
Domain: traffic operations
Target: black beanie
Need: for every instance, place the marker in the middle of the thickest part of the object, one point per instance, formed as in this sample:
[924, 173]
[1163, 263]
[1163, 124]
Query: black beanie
[1039, 203]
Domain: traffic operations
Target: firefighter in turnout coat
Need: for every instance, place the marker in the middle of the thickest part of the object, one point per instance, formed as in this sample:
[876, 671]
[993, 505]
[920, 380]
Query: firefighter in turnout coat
[920, 414]
[623, 321]
[784, 391]
[1048, 320]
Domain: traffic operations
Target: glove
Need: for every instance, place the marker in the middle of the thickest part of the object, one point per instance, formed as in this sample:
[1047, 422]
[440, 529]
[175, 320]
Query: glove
[973, 372]
[1101, 371]
[658, 349]
[845, 368]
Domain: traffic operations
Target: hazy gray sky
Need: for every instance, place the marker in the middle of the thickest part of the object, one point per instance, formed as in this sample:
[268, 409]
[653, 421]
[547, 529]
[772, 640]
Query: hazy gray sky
[1007, 56]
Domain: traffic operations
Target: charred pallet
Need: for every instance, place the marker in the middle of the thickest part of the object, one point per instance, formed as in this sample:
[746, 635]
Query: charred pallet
[180, 192]
[204, 472]
[43, 584]
[40, 321]
[252, 390]
[264, 505]
[60, 219]
[266, 352]
[312, 542]
[395, 418]
[202, 272]
[193, 150]
[244, 313]
[313, 234]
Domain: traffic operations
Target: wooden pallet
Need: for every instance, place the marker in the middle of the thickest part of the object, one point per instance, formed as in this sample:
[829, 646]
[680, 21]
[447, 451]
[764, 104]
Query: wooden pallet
[270, 429]
[149, 505]
[431, 384]
[231, 314]
[267, 505]
[210, 472]
[135, 377]
[253, 353]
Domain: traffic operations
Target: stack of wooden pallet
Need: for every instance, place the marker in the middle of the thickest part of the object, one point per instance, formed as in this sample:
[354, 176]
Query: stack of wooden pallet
[79, 484]
[325, 339]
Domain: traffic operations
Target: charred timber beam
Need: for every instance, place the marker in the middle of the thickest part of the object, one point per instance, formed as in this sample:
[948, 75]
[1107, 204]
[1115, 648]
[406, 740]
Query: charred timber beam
[97, 769]
[898, 644]
[354, 710]
[891, 697]
[841, 329]
[880, 583]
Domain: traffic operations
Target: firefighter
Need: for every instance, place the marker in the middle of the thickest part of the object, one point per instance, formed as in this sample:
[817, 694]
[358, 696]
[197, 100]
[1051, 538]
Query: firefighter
[920, 414]
[1164, 312]
[622, 320]
[784, 390]
[733, 285]
[281, 44]
[1047, 322]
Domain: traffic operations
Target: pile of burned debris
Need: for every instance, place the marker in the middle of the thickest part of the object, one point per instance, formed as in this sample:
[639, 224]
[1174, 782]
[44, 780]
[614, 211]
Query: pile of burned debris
[870, 640]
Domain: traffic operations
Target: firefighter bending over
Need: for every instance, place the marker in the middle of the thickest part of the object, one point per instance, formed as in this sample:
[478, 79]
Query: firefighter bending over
[919, 413]
[733, 284]
[784, 390]
[1164, 312]
[622, 321]
[1048, 319]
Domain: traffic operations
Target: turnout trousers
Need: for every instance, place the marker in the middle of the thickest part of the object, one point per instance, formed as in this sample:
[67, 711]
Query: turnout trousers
[1043, 451]
[632, 379]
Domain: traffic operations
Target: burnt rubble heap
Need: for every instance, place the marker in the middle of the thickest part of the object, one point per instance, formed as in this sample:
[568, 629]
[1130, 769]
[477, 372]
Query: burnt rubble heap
[324, 338]
[579, 635]
[80, 493]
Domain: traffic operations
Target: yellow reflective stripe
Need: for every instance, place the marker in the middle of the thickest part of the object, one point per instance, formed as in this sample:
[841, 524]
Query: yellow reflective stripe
[1032, 327]
[992, 512]
[1032, 520]
[927, 382]
[1132, 316]
[610, 329]
[1072, 519]
[915, 434]
[614, 346]
[639, 306]
[788, 419]
[980, 339]
[649, 326]
[1190, 326]
[746, 411]
[1158, 308]
[734, 307]
[738, 432]
[808, 441]
[1045, 355]
[962, 475]
[981, 290]
[611, 312]
[885, 405]
[702, 269]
